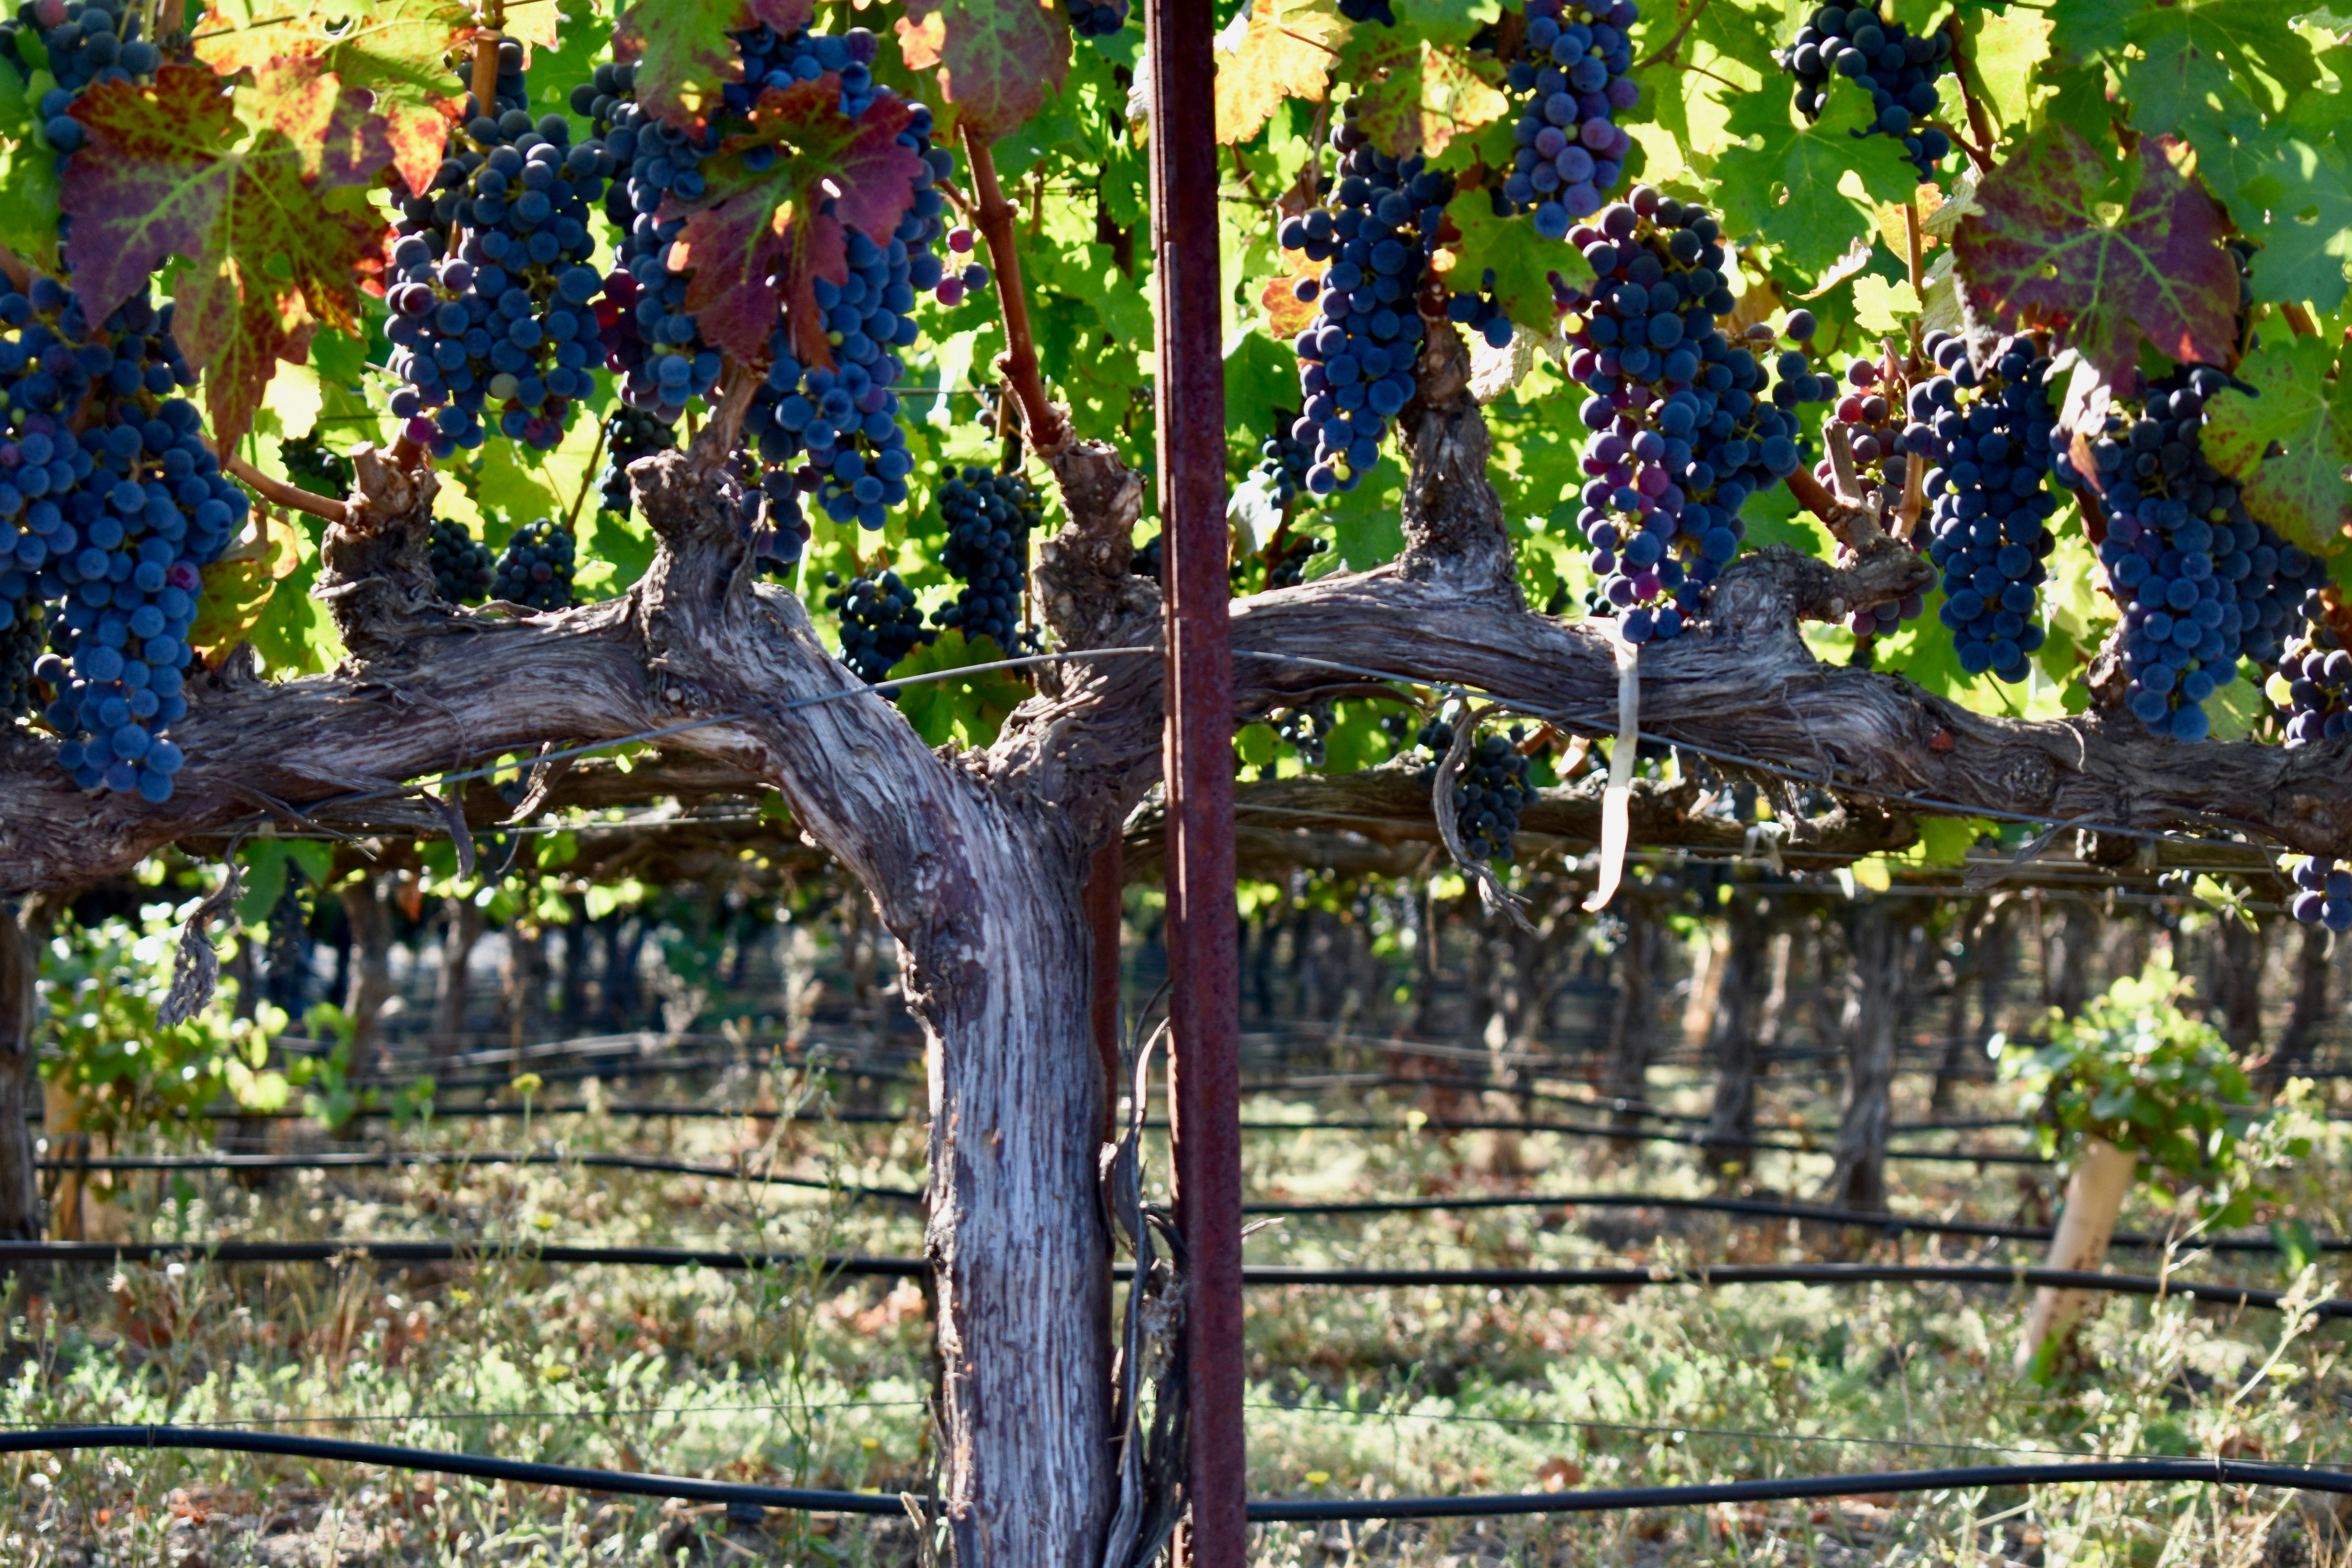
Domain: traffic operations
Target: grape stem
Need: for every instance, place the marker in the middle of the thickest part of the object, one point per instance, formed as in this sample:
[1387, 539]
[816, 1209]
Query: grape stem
[292, 497]
[1914, 244]
[572, 518]
[2298, 321]
[486, 65]
[1673, 46]
[715, 441]
[1979, 124]
[1976, 155]
[12, 264]
[994, 215]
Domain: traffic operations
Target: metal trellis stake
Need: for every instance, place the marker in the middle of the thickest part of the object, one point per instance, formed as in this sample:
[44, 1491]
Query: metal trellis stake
[1204, 1070]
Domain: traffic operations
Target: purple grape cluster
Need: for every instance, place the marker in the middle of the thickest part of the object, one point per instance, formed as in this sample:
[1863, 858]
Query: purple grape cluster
[1990, 432]
[880, 623]
[2323, 892]
[80, 43]
[1896, 66]
[1356, 357]
[2317, 672]
[492, 311]
[830, 432]
[1574, 68]
[989, 517]
[110, 506]
[1686, 424]
[1096, 19]
[2202, 583]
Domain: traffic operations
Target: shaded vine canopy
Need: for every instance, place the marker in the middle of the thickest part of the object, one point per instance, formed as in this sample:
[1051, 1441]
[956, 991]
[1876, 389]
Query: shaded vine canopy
[2052, 296]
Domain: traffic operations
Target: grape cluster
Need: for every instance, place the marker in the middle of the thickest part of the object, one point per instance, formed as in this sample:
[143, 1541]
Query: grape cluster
[629, 434]
[1898, 66]
[1307, 731]
[1574, 68]
[1870, 415]
[1149, 561]
[110, 524]
[2202, 583]
[1368, 11]
[990, 517]
[879, 623]
[1284, 459]
[1286, 558]
[2323, 892]
[492, 309]
[1355, 356]
[23, 633]
[1096, 19]
[315, 466]
[1990, 431]
[462, 568]
[1488, 793]
[535, 569]
[2316, 672]
[1479, 311]
[82, 42]
[1686, 424]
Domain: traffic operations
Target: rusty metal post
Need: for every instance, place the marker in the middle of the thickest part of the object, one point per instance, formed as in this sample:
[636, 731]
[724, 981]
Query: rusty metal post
[1205, 1009]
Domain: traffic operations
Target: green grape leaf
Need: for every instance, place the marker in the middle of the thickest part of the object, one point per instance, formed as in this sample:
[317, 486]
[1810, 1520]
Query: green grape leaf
[398, 50]
[28, 172]
[2295, 197]
[275, 254]
[1787, 190]
[1365, 525]
[238, 587]
[2062, 236]
[969, 711]
[683, 56]
[1412, 97]
[2005, 48]
[998, 60]
[2189, 53]
[2305, 407]
[1455, 19]
[1277, 49]
[1522, 260]
[2081, 28]
[791, 220]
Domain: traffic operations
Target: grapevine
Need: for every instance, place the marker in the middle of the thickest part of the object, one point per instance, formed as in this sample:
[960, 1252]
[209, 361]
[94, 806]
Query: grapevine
[1898, 68]
[535, 569]
[1573, 65]
[1871, 418]
[1489, 793]
[1683, 427]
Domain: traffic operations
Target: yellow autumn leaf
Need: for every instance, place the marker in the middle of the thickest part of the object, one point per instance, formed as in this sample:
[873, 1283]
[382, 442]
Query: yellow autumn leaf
[1280, 50]
[1287, 314]
[238, 587]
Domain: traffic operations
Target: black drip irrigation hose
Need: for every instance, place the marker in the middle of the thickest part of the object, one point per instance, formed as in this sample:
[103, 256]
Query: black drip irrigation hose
[1767, 1208]
[363, 1160]
[1263, 1275]
[735, 1494]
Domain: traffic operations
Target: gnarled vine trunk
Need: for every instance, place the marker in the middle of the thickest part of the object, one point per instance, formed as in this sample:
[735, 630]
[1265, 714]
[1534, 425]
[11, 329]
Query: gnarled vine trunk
[24, 931]
[1878, 942]
[1737, 1031]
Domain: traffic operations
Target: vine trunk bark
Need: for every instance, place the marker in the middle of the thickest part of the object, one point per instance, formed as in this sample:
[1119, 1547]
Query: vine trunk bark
[24, 931]
[1876, 942]
[1738, 1042]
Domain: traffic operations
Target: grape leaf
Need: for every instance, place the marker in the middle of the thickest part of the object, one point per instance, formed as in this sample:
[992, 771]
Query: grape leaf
[397, 49]
[238, 587]
[169, 170]
[2296, 195]
[28, 172]
[971, 711]
[2189, 52]
[1787, 190]
[1411, 97]
[1273, 52]
[683, 56]
[2306, 407]
[1446, 18]
[790, 221]
[2004, 49]
[997, 60]
[2064, 238]
[1522, 260]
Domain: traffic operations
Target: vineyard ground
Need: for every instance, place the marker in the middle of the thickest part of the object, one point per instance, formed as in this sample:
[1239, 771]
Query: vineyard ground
[1373, 1392]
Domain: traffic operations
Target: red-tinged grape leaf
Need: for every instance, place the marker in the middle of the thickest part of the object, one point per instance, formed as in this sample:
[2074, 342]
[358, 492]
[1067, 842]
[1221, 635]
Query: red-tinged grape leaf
[2305, 407]
[1287, 314]
[238, 587]
[1272, 52]
[683, 55]
[277, 245]
[753, 225]
[997, 60]
[2107, 253]
[397, 49]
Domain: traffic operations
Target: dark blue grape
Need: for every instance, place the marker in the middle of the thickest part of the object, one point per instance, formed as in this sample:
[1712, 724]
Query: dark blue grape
[1988, 432]
[879, 623]
[2323, 892]
[462, 569]
[1096, 18]
[1897, 68]
[989, 519]
[536, 568]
